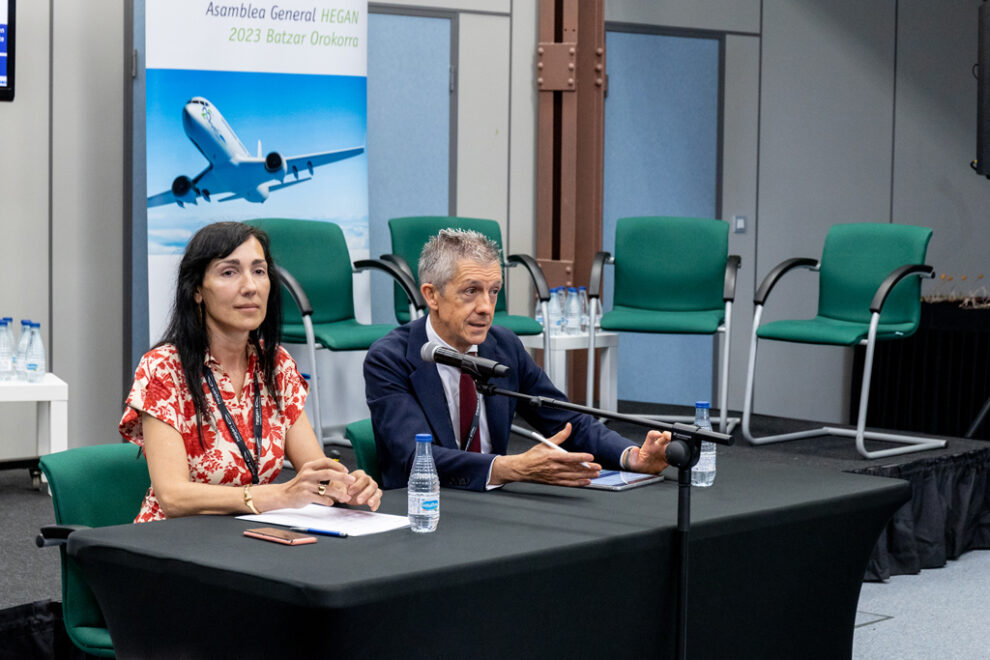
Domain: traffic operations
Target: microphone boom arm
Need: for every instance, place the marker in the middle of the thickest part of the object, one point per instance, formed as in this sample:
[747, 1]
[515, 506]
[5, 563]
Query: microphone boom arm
[685, 432]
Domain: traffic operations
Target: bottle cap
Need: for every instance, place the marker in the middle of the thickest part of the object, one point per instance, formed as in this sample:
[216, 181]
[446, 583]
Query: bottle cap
[571, 288]
[25, 321]
[424, 437]
[702, 404]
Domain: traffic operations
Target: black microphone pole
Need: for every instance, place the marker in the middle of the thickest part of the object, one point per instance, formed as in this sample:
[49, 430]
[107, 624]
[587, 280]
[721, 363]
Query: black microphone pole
[683, 453]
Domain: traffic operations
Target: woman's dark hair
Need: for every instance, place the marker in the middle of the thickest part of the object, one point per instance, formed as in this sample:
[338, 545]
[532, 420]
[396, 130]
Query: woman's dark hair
[187, 326]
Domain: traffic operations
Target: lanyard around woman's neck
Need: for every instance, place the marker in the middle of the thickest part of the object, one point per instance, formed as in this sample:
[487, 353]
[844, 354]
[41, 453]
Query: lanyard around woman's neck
[249, 460]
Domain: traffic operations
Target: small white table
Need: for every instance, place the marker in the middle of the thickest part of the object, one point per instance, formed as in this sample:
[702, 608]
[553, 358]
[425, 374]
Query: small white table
[52, 396]
[556, 366]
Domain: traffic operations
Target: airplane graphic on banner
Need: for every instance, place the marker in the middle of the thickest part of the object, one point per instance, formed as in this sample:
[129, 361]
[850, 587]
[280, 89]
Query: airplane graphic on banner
[232, 169]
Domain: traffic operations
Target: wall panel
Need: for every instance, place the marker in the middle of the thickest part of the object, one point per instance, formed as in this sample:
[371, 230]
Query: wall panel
[87, 208]
[24, 210]
[825, 152]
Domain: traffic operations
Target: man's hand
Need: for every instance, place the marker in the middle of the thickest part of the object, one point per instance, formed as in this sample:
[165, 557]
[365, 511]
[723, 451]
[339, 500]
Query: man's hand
[651, 457]
[545, 465]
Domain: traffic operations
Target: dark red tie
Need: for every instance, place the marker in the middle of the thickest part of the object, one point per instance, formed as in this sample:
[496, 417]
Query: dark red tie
[469, 405]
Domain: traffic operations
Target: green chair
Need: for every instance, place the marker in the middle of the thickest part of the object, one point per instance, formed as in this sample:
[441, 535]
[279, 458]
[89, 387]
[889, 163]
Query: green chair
[868, 291]
[362, 438]
[410, 234]
[672, 276]
[91, 487]
[315, 267]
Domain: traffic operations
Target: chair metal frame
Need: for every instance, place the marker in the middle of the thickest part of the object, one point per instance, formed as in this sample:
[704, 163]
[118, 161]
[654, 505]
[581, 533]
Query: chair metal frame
[909, 443]
[298, 293]
[732, 264]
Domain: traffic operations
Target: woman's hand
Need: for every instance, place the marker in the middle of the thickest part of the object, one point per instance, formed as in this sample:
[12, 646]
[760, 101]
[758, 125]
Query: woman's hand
[364, 490]
[325, 481]
[338, 485]
[320, 481]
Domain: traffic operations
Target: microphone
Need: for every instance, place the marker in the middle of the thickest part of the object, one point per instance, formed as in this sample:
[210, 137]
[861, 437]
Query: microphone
[470, 364]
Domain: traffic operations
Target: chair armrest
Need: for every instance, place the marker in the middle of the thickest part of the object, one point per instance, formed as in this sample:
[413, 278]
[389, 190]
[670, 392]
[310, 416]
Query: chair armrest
[595, 276]
[401, 262]
[731, 268]
[771, 279]
[899, 274]
[398, 274]
[55, 534]
[535, 273]
[296, 291]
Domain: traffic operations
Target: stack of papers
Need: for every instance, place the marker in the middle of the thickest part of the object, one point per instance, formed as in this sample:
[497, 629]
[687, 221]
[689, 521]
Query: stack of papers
[331, 519]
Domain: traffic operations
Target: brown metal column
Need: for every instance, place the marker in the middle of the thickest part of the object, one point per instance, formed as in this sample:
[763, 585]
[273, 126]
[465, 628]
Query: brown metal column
[571, 81]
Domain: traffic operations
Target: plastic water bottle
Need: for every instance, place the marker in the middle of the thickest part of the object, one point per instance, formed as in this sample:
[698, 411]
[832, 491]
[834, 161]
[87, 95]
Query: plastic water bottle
[583, 295]
[562, 321]
[703, 474]
[573, 311]
[555, 311]
[538, 315]
[21, 351]
[34, 358]
[6, 351]
[424, 488]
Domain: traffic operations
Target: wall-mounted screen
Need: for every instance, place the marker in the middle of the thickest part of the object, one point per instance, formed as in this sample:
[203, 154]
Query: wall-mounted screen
[7, 50]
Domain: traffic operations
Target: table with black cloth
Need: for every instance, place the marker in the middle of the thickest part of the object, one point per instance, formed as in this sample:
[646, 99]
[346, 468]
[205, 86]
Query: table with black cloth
[526, 571]
[935, 381]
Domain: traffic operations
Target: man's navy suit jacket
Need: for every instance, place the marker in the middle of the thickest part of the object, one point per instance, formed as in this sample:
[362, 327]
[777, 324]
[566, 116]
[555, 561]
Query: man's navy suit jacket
[405, 395]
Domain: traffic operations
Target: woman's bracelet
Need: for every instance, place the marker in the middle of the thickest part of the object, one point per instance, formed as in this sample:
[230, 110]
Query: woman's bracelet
[249, 500]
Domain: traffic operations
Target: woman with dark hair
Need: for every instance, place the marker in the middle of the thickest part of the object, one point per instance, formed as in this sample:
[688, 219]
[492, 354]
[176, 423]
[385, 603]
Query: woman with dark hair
[218, 404]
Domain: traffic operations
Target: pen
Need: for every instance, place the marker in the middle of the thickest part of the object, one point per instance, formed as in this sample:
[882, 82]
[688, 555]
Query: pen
[321, 532]
[539, 438]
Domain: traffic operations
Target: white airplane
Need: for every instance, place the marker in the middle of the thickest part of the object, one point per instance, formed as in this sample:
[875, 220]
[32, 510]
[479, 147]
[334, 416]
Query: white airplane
[232, 169]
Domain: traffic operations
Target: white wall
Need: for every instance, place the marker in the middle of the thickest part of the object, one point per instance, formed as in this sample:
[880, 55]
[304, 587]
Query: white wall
[87, 213]
[62, 216]
[24, 216]
[720, 15]
[826, 128]
[520, 236]
[935, 118]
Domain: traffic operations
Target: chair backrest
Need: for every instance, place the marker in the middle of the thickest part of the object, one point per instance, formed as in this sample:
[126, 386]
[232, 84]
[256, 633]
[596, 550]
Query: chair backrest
[316, 254]
[97, 486]
[857, 258]
[94, 486]
[410, 234]
[362, 437]
[670, 264]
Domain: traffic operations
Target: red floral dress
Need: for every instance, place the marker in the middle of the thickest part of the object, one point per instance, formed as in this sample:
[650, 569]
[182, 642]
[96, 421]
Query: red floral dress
[160, 390]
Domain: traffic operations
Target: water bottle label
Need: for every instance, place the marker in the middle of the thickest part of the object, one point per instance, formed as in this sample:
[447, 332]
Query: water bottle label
[423, 503]
[31, 366]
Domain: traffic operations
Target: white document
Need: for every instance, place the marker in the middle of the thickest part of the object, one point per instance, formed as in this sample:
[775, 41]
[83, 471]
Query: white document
[331, 519]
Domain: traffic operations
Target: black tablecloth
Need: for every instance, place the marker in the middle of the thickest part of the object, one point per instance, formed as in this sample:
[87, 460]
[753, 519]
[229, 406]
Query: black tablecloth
[778, 555]
[933, 382]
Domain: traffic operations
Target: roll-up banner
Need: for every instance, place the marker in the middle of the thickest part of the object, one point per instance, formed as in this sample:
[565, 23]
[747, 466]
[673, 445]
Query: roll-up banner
[253, 110]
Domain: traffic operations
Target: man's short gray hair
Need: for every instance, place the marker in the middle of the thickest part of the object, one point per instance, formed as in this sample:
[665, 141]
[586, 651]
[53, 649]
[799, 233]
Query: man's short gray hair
[438, 260]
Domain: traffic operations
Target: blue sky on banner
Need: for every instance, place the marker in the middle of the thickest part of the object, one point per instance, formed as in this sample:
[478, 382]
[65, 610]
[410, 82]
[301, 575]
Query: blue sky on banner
[293, 79]
[290, 113]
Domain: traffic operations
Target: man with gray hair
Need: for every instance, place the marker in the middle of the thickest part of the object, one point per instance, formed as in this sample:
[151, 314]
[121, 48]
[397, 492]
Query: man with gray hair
[460, 276]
